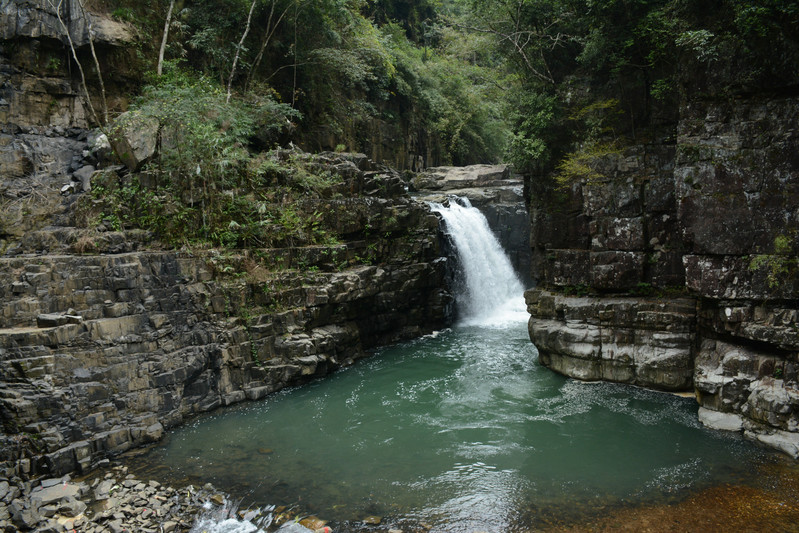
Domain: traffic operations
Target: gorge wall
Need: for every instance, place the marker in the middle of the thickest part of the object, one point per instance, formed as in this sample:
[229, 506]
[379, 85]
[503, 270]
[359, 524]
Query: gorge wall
[107, 338]
[101, 353]
[677, 268]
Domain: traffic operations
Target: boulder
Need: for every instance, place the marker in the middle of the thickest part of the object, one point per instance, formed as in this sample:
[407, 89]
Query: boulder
[135, 139]
[55, 493]
[449, 178]
[84, 176]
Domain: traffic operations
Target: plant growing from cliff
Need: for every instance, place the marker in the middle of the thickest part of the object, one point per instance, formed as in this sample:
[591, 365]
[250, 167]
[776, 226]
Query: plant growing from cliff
[778, 266]
[578, 290]
[203, 163]
[643, 289]
[582, 165]
[246, 318]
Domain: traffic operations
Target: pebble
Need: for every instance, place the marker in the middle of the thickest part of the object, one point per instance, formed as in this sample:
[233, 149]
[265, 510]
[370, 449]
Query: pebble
[102, 505]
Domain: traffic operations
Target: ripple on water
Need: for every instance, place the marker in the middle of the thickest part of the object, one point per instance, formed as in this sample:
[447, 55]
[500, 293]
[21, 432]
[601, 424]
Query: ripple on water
[464, 430]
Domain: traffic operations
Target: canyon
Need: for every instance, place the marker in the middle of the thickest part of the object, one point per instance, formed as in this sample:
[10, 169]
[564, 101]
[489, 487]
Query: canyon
[673, 267]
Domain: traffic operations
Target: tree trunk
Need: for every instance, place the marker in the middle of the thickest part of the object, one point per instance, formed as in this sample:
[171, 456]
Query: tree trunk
[65, 28]
[163, 40]
[238, 51]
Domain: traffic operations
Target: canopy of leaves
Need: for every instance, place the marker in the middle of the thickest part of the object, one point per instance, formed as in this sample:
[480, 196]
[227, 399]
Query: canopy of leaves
[349, 67]
[647, 55]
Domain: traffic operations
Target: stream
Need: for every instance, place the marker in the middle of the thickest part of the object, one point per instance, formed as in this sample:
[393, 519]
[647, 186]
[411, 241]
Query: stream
[459, 431]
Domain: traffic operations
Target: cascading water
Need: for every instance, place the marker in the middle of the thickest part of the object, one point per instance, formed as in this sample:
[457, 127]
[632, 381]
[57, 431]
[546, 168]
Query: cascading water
[491, 292]
[459, 431]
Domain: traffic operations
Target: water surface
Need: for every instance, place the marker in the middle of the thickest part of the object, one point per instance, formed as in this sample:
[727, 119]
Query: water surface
[463, 431]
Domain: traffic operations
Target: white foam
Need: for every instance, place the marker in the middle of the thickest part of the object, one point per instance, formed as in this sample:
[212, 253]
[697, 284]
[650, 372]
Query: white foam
[492, 295]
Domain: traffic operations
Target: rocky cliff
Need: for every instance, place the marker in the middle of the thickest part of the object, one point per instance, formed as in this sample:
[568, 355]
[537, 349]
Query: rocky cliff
[101, 353]
[106, 342]
[108, 337]
[676, 268]
[45, 142]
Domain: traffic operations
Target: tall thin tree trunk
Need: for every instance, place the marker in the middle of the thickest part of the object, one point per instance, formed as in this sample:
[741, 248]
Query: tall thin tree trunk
[294, 85]
[96, 61]
[65, 28]
[238, 51]
[270, 31]
[164, 38]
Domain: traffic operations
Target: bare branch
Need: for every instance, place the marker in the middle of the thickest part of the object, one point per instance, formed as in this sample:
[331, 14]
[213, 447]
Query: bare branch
[90, 30]
[270, 31]
[513, 38]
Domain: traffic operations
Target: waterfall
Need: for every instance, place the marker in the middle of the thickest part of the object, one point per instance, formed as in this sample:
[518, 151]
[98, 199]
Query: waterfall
[491, 293]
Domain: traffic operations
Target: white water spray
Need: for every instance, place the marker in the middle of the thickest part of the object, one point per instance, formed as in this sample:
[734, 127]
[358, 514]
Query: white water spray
[492, 294]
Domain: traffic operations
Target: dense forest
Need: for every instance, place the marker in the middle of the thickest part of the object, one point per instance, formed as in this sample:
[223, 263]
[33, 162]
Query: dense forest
[469, 80]
[546, 85]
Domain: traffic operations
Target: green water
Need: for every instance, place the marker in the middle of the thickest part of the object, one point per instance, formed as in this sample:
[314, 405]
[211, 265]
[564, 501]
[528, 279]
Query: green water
[463, 431]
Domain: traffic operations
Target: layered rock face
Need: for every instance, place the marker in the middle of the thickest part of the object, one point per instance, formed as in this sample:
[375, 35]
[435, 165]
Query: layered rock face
[45, 144]
[628, 340]
[677, 268]
[101, 353]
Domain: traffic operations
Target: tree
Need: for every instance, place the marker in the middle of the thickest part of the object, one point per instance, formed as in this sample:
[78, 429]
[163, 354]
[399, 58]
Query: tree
[159, 69]
[90, 30]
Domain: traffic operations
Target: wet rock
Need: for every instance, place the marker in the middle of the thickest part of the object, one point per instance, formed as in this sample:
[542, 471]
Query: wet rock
[718, 420]
[313, 523]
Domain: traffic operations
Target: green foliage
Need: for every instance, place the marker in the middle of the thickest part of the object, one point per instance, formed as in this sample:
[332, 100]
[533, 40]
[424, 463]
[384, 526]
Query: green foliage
[779, 266]
[459, 101]
[205, 185]
[643, 54]
[581, 165]
[535, 116]
[644, 289]
[578, 290]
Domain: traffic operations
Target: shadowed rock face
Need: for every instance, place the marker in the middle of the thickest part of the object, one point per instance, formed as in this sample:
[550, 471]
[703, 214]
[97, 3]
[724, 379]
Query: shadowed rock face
[713, 219]
[131, 344]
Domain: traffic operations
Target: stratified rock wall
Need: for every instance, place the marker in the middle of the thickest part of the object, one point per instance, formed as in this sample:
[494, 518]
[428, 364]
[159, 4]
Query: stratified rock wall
[641, 341]
[712, 215]
[45, 144]
[130, 344]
